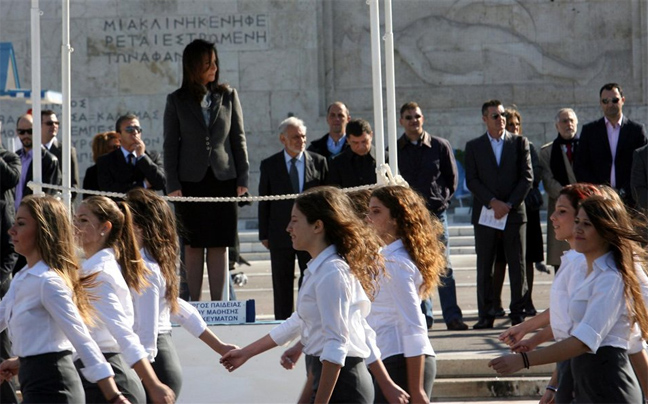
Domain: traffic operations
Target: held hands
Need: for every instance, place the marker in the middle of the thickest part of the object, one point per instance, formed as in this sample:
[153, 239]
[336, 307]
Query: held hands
[291, 356]
[525, 345]
[9, 368]
[507, 364]
[500, 208]
[234, 359]
[513, 335]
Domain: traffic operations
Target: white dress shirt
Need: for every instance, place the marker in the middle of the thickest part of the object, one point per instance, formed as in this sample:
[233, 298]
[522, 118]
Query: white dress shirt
[396, 315]
[153, 314]
[598, 307]
[497, 146]
[569, 276]
[113, 329]
[331, 311]
[42, 318]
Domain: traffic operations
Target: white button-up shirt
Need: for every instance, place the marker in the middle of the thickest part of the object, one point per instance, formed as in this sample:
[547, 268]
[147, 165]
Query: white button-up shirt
[331, 311]
[569, 276]
[42, 318]
[396, 315]
[113, 330]
[598, 307]
[153, 314]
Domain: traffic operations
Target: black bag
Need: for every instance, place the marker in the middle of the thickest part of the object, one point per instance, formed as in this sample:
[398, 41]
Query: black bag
[533, 200]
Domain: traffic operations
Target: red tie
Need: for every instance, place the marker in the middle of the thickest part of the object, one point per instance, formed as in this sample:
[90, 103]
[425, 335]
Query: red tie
[569, 152]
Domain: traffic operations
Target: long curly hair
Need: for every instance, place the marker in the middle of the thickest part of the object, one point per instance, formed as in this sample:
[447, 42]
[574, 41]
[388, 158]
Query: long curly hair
[55, 243]
[156, 223]
[421, 234]
[354, 241]
[121, 239]
[613, 223]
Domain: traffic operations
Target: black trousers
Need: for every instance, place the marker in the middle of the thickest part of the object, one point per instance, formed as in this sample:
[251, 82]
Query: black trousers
[126, 379]
[50, 378]
[605, 377]
[167, 364]
[353, 384]
[282, 264]
[486, 239]
[397, 368]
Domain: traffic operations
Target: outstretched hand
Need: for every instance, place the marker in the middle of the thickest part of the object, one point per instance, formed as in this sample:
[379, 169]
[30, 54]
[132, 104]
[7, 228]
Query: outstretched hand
[507, 364]
[234, 359]
[291, 356]
[513, 335]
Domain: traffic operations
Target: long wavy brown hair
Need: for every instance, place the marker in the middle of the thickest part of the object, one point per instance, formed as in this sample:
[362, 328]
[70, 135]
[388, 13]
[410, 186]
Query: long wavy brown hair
[156, 223]
[354, 241]
[121, 239]
[55, 243]
[613, 223]
[421, 234]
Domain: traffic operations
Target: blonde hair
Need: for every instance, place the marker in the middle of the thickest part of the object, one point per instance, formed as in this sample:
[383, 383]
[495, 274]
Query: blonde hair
[419, 232]
[55, 244]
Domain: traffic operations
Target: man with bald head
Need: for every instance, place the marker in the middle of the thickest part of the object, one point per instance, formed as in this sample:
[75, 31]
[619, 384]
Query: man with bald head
[334, 142]
[50, 164]
[557, 160]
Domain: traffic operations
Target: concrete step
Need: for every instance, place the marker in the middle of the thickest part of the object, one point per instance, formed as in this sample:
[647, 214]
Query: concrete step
[497, 388]
[475, 364]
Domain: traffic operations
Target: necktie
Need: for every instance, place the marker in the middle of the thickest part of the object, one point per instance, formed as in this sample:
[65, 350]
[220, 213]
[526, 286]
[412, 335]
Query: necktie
[131, 159]
[294, 177]
[569, 152]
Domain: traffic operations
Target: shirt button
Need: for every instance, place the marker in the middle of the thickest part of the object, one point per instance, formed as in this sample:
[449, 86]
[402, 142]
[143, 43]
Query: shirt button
[206, 137]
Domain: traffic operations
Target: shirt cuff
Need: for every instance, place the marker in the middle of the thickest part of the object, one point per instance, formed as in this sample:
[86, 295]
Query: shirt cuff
[415, 345]
[134, 354]
[588, 336]
[189, 318]
[97, 372]
[335, 354]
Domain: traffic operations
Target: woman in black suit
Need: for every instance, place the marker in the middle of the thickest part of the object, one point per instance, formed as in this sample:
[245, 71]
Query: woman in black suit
[102, 143]
[205, 156]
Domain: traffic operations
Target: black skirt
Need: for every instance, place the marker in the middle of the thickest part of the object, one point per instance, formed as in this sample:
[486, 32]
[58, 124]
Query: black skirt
[50, 378]
[208, 224]
[353, 384]
[534, 241]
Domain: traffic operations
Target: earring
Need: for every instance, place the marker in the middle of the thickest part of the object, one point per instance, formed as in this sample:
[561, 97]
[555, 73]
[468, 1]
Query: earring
[103, 234]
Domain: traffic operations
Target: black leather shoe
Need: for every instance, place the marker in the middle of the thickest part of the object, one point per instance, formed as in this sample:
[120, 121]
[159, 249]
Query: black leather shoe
[515, 319]
[500, 313]
[457, 325]
[530, 312]
[483, 324]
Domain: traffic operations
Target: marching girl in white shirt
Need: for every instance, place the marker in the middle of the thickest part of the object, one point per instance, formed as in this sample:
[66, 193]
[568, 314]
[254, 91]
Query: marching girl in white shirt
[45, 310]
[332, 303]
[603, 308]
[414, 260]
[113, 261]
[158, 303]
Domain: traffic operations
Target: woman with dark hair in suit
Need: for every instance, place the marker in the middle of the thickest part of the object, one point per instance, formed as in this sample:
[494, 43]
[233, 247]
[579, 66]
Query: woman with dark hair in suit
[205, 156]
[102, 143]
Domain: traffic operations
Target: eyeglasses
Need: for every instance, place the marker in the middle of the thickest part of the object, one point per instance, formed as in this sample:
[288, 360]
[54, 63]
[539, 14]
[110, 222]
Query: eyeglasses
[410, 117]
[52, 123]
[614, 100]
[133, 129]
[497, 116]
[25, 131]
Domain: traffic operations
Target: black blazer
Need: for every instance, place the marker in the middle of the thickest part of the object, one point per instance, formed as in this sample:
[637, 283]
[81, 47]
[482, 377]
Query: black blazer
[275, 215]
[116, 175]
[57, 150]
[344, 173]
[593, 161]
[10, 167]
[320, 147]
[509, 182]
[51, 172]
[191, 147]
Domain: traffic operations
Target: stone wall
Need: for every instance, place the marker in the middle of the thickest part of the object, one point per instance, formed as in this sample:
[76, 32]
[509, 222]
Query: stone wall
[290, 57]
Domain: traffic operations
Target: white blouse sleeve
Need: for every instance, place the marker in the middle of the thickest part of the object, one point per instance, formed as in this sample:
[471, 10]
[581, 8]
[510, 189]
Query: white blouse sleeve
[146, 307]
[189, 318]
[111, 312]
[288, 330]
[56, 298]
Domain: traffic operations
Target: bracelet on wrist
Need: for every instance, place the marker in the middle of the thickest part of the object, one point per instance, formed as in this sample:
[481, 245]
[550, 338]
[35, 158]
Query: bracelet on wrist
[552, 388]
[116, 398]
[525, 359]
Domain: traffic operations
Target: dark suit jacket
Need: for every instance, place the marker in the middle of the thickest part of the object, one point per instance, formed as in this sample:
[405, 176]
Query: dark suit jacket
[51, 172]
[10, 167]
[351, 170]
[320, 147]
[509, 182]
[594, 158]
[191, 147]
[91, 180]
[116, 175]
[275, 215]
[639, 177]
[8, 257]
[57, 150]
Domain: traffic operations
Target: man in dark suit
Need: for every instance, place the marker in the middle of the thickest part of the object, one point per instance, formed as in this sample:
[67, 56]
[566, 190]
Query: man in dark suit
[499, 175]
[334, 142]
[10, 168]
[50, 164]
[639, 178]
[355, 166]
[606, 145]
[49, 129]
[290, 171]
[131, 165]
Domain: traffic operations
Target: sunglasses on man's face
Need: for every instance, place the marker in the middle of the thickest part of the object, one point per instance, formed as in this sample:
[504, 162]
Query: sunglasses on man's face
[133, 129]
[497, 116]
[410, 117]
[25, 131]
[52, 123]
[614, 100]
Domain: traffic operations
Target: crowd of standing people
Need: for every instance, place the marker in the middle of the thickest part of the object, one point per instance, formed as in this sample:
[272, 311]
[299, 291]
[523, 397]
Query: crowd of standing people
[368, 262]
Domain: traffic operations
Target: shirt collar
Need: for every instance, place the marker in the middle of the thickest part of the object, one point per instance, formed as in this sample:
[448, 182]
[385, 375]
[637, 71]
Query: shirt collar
[393, 247]
[126, 153]
[316, 262]
[493, 140]
[287, 156]
[607, 121]
[39, 269]
[605, 262]
[49, 144]
[92, 264]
